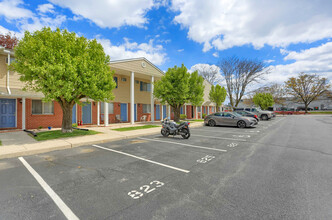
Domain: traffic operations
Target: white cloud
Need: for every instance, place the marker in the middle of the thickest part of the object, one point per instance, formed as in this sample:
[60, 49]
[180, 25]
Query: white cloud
[180, 50]
[269, 61]
[106, 13]
[46, 8]
[215, 54]
[314, 60]
[26, 20]
[128, 49]
[11, 9]
[224, 24]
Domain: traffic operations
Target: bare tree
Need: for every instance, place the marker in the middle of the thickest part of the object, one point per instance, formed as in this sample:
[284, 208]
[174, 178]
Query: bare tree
[238, 74]
[278, 92]
[210, 73]
[307, 87]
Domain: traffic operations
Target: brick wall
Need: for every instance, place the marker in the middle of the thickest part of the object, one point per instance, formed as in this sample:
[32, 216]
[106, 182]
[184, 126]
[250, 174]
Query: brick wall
[34, 121]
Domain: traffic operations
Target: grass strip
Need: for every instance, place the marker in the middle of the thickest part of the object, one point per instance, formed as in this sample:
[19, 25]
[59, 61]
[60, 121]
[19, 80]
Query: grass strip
[0, 143]
[48, 135]
[135, 128]
[321, 113]
[199, 120]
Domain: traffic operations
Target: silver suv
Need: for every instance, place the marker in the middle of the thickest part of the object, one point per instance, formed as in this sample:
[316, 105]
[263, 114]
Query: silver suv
[264, 115]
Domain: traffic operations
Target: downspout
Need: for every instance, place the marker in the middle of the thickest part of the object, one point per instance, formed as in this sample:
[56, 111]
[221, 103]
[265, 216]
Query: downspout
[8, 89]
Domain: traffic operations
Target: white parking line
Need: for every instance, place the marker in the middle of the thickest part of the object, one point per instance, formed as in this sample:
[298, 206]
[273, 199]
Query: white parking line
[58, 201]
[226, 132]
[187, 145]
[232, 139]
[140, 158]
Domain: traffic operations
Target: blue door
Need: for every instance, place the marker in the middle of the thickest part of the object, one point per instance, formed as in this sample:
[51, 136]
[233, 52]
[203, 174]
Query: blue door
[157, 112]
[181, 110]
[135, 113]
[86, 113]
[7, 113]
[73, 119]
[124, 112]
[164, 111]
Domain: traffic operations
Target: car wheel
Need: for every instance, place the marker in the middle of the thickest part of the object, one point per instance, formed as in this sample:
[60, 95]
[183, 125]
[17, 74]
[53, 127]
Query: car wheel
[212, 123]
[264, 117]
[241, 124]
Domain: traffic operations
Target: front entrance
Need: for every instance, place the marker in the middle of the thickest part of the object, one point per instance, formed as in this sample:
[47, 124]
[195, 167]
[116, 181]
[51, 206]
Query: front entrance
[164, 112]
[157, 112]
[86, 113]
[135, 112]
[124, 112]
[73, 118]
[192, 112]
[7, 113]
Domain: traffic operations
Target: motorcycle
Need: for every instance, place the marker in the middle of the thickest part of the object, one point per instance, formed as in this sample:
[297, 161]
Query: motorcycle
[171, 128]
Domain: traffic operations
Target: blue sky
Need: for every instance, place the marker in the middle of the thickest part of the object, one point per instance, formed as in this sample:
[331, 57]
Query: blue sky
[290, 36]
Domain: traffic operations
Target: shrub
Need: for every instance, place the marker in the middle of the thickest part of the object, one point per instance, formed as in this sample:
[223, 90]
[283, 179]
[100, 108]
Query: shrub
[183, 116]
[74, 125]
[40, 127]
[204, 115]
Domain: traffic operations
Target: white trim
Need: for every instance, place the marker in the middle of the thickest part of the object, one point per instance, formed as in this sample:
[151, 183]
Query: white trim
[135, 59]
[106, 114]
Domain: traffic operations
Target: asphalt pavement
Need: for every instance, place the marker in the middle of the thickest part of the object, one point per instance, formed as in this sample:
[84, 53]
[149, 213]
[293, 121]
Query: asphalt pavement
[282, 169]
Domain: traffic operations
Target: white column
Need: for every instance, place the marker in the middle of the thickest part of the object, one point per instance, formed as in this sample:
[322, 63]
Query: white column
[23, 113]
[132, 98]
[105, 114]
[185, 110]
[196, 112]
[152, 100]
[201, 112]
[162, 111]
[98, 113]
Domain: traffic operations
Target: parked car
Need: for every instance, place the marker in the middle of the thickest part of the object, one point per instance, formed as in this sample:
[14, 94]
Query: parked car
[248, 114]
[264, 115]
[302, 108]
[229, 119]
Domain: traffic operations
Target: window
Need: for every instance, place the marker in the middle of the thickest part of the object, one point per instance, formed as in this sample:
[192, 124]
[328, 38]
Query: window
[227, 115]
[42, 108]
[146, 108]
[213, 109]
[124, 79]
[145, 86]
[217, 114]
[110, 108]
[116, 81]
[204, 109]
[12, 60]
[198, 109]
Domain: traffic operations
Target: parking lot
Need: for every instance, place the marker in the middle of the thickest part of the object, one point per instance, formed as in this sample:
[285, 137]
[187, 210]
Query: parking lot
[218, 173]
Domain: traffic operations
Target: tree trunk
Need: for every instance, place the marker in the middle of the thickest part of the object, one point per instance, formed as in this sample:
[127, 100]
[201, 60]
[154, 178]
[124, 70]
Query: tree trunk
[67, 117]
[306, 108]
[176, 113]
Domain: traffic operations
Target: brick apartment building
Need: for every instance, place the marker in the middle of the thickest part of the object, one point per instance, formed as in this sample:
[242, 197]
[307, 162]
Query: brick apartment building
[134, 77]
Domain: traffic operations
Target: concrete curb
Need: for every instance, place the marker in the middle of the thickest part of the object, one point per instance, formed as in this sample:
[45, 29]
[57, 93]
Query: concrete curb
[61, 144]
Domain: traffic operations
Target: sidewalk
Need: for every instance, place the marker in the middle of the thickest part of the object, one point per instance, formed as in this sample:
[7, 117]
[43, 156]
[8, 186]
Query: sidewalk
[19, 143]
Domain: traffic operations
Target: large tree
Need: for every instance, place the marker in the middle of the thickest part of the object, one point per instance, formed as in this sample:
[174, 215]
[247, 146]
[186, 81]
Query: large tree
[263, 100]
[217, 94]
[210, 73]
[307, 87]
[65, 68]
[178, 87]
[8, 40]
[239, 74]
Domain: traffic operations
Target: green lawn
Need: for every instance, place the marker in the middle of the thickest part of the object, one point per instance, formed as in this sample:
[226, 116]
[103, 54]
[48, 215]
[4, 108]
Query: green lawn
[199, 120]
[316, 113]
[135, 128]
[48, 135]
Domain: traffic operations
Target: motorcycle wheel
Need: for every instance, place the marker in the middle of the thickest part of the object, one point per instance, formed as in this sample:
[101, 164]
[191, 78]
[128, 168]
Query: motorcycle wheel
[185, 133]
[165, 132]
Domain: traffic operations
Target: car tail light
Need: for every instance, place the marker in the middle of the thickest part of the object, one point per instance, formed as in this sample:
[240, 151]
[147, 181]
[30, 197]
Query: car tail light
[256, 116]
[188, 123]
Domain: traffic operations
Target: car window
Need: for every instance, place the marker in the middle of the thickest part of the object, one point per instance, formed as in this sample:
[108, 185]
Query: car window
[248, 109]
[217, 114]
[236, 114]
[227, 115]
